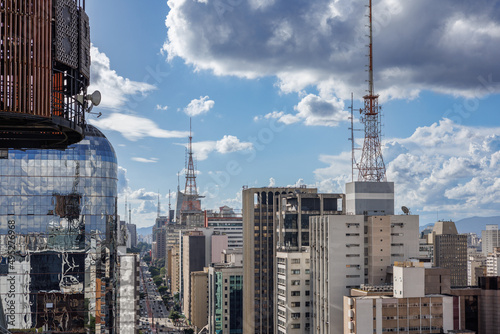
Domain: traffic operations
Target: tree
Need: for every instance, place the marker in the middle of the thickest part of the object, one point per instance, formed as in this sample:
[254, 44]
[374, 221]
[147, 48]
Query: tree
[188, 331]
[174, 315]
[154, 271]
[162, 289]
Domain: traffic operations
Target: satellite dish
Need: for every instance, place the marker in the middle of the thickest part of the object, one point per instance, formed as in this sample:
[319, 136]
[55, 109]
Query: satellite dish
[405, 210]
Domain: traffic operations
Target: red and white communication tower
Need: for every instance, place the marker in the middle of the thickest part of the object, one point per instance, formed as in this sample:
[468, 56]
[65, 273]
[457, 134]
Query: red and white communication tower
[371, 166]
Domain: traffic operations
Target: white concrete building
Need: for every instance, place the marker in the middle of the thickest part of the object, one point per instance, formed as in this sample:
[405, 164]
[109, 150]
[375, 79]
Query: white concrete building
[493, 263]
[337, 265]
[293, 288]
[490, 239]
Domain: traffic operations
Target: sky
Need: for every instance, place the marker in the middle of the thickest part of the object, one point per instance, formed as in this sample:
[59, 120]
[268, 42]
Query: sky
[267, 85]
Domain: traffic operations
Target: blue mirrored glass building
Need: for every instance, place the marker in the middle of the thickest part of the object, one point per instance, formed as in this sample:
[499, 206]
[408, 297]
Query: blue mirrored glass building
[57, 237]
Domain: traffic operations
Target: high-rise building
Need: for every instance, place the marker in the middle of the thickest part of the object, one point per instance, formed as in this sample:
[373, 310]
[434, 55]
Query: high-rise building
[199, 299]
[493, 263]
[490, 239]
[476, 267]
[45, 57]
[128, 291]
[356, 247]
[228, 223]
[450, 251]
[489, 306]
[132, 229]
[259, 247]
[193, 259]
[292, 307]
[58, 224]
[225, 291]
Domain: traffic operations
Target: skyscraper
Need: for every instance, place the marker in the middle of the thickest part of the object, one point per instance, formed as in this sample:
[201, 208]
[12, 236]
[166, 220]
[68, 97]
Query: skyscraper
[450, 251]
[259, 241]
[57, 237]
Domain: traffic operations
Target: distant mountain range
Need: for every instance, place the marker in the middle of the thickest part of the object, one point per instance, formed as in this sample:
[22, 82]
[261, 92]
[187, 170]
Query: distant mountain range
[145, 230]
[472, 224]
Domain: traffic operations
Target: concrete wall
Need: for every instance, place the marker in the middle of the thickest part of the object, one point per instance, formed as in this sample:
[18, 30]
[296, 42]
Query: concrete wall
[370, 198]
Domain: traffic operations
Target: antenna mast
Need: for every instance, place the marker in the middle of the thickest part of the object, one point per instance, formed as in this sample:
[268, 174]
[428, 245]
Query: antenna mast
[371, 167]
[190, 189]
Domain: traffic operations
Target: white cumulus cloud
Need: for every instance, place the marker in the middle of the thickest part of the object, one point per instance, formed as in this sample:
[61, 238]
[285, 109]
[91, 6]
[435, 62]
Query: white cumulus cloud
[116, 90]
[228, 144]
[313, 110]
[445, 167]
[199, 106]
[442, 46]
[135, 127]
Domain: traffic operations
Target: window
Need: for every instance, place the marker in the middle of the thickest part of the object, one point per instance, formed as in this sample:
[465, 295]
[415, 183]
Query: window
[295, 271]
[295, 293]
[295, 261]
[296, 282]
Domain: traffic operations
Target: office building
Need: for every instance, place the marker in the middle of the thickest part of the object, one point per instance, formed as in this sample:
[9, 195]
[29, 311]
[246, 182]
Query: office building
[490, 239]
[132, 229]
[45, 57]
[259, 209]
[476, 267]
[199, 299]
[193, 259]
[159, 231]
[489, 307]
[405, 309]
[227, 222]
[128, 291]
[357, 247]
[58, 225]
[225, 284]
[493, 263]
[450, 251]
[292, 311]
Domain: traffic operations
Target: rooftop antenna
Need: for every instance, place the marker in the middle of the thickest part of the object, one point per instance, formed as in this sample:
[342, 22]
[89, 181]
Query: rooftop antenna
[371, 167]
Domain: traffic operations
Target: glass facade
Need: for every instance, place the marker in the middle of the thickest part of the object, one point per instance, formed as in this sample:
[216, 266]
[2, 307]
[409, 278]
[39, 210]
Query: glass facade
[57, 237]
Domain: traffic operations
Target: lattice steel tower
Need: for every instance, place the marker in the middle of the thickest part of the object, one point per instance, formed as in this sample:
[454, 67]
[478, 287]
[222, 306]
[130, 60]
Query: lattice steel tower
[190, 190]
[371, 167]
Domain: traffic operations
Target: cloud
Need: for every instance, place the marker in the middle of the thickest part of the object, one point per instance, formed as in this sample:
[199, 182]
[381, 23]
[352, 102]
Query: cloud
[144, 160]
[444, 46]
[272, 182]
[228, 144]
[115, 89]
[445, 167]
[198, 107]
[135, 127]
[123, 184]
[160, 107]
[142, 194]
[313, 110]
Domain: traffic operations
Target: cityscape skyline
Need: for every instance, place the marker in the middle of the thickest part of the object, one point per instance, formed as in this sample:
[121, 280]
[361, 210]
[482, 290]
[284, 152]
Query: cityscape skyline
[249, 126]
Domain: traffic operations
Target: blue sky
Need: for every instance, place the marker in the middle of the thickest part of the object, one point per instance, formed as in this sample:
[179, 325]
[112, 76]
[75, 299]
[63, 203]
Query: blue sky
[267, 84]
